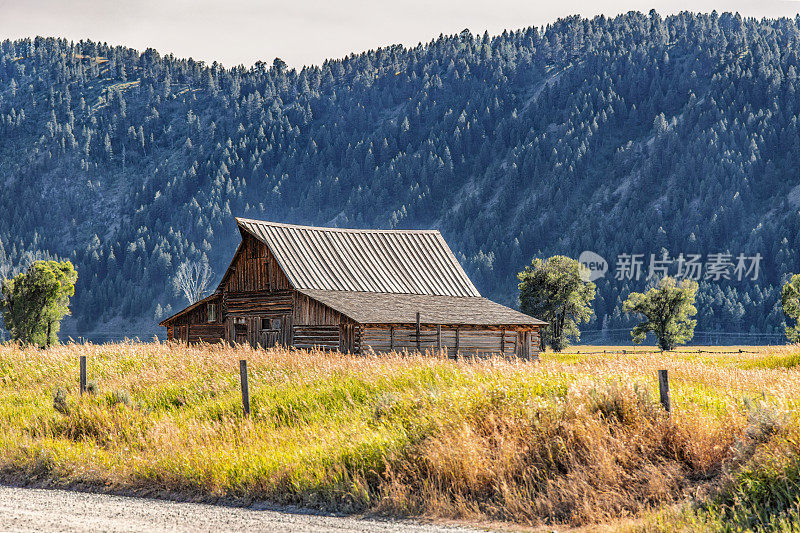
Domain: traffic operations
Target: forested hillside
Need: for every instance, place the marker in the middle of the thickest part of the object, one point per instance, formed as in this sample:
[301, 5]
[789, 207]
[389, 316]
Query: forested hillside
[635, 134]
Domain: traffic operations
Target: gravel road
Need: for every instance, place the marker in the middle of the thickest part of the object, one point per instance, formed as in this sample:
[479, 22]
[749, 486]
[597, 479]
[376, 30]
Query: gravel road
[45, 510]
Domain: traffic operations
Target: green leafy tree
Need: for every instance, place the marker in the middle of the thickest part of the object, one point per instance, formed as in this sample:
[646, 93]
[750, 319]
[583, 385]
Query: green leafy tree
[34, 302]
[553, 290]
[790, 300]
[667, 309]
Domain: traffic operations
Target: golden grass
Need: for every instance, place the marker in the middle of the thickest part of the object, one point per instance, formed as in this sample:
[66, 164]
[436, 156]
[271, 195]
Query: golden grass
[568, 440]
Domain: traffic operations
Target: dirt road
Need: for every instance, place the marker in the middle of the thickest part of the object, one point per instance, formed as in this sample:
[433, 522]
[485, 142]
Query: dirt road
[45, 510]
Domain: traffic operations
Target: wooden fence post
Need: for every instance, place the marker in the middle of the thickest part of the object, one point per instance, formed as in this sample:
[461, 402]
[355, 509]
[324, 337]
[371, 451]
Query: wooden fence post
[663, 389]
[245, 386]
[83, 374]
[418, 342]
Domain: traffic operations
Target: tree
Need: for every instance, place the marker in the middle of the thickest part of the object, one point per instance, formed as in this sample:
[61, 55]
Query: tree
[34, 302]
[192, 279]
[790, 301]
[553, 290]
[667, 309]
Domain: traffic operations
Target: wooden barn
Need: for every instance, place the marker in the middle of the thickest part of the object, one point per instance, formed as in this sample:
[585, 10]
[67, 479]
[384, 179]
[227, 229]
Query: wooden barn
[354, 291]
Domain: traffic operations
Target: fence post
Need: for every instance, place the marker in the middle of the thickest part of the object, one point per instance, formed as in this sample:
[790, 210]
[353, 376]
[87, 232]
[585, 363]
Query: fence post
[245, 387]
[83, 374]
[663, 389]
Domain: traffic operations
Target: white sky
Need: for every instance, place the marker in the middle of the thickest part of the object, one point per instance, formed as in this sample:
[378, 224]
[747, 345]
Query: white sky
[308, 31]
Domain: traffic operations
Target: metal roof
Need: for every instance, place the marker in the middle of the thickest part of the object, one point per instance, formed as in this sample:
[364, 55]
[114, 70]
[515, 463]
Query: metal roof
[384, 308]
[357, 260]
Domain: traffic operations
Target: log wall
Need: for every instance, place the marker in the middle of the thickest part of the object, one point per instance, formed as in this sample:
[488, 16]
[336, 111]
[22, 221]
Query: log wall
[311, 336]
[451, 340]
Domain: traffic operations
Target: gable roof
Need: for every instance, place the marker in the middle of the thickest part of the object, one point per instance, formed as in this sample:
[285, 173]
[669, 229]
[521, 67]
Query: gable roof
[384, 308]
[376, 261]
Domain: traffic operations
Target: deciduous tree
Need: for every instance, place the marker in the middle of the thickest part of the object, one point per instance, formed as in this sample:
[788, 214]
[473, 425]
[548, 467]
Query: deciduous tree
[553, 290]
[667, 309]
[790, 301]
[192, 279]
[34, 302]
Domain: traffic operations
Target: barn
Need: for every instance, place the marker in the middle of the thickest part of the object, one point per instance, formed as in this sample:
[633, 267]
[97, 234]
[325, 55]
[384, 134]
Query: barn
[352, 290]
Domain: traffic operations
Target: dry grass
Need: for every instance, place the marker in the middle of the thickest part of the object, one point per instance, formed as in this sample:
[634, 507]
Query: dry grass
[570, 440]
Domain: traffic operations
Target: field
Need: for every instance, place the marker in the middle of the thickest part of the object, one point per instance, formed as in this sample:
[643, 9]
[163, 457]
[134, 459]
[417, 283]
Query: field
[574, 440]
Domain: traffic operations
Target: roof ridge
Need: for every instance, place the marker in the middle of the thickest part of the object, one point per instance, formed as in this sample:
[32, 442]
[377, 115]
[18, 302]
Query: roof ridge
[327, 228]
[382, 293]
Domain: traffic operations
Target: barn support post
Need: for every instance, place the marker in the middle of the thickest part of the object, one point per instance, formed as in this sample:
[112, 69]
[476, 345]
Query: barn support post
[503, 341]
[245, 387]
[457, 341]
[418, 332]
[439, 338]
[83, 374]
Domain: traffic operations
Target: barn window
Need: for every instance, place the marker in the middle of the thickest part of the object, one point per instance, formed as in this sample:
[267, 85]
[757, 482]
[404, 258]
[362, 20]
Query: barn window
[270, 323]
[212, 312]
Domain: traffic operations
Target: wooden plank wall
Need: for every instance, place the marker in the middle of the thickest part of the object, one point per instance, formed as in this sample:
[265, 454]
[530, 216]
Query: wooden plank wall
[312, 336]
[451, 340]
[350, 338]
[209, 333]
[259, 303]
[254, 268]
[308, 311]
[194, 326]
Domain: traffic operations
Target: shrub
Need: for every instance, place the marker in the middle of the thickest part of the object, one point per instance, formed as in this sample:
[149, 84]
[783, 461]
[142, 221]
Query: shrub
[60, 402]
[119, 397]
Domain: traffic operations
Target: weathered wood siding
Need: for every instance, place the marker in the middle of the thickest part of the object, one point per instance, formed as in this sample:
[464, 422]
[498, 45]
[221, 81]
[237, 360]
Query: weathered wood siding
[210, 333]
[259, 303]
[312, 312]
[254, 268]
[194, 326]
[311, 336]
[451, 340]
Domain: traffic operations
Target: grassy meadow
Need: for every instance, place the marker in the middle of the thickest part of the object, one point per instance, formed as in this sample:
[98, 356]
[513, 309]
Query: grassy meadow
[574, 440]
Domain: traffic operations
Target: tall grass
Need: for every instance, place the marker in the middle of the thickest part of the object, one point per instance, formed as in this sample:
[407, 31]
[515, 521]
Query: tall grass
[566, 440]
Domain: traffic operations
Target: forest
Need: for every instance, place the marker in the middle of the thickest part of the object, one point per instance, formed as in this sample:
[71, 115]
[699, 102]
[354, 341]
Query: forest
[637, 134]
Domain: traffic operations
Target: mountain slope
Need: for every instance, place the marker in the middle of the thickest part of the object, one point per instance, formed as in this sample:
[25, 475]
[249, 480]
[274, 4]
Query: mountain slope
[637, 134]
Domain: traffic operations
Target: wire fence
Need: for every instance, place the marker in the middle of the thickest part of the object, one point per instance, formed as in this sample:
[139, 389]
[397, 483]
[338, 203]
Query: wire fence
[634, 351]
[701, 338]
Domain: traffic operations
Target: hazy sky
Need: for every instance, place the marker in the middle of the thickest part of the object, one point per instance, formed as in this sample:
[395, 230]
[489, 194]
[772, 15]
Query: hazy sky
[308, 31]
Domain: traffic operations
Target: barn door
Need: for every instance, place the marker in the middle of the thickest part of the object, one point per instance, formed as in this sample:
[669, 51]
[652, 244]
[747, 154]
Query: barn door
[183, 334]
[272, 330]
[240, 330]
